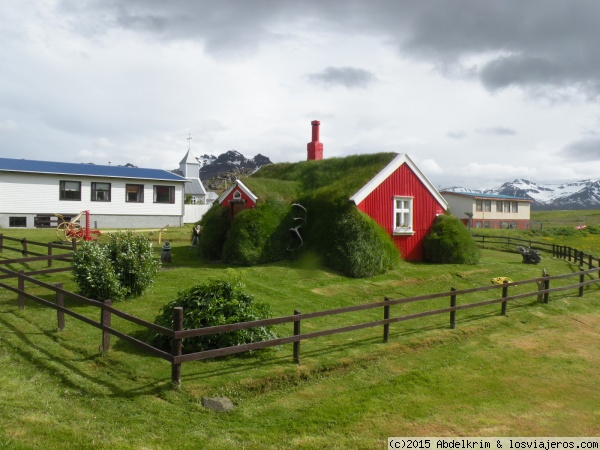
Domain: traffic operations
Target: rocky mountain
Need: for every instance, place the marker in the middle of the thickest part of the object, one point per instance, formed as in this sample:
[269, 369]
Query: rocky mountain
[583, 194]
[217, 171]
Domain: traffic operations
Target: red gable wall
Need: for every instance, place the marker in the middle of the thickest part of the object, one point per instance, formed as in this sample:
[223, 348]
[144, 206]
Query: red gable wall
[379, 205]
[249, 202]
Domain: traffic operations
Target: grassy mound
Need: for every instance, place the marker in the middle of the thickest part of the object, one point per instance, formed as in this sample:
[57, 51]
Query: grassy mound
[260, 235]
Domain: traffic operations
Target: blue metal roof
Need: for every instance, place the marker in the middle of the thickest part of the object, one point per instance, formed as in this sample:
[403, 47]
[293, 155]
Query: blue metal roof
[88, 170]
[490, 196]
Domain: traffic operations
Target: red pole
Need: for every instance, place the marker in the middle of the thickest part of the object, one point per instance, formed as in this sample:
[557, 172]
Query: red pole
[87, 235]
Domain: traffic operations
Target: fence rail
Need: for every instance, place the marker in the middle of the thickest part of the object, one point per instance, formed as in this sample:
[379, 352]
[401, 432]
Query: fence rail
[540, 289]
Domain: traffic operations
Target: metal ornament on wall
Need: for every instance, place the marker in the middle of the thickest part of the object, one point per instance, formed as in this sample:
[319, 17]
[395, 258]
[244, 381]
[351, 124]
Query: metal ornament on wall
[296, 229]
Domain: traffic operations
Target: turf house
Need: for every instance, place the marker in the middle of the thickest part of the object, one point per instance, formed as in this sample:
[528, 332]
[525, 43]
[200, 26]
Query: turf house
[358, 214]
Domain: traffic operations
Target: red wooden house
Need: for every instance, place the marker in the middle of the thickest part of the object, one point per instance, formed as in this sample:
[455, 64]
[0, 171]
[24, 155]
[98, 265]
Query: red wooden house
[403, 202]
[237, 198]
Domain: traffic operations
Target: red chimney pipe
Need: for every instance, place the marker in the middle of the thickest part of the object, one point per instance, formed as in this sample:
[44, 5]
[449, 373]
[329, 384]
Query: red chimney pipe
[315, 148]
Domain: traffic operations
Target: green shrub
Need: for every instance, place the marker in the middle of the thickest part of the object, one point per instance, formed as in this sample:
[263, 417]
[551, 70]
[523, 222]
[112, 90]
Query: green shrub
[260, 235]
[122, 268]
[214, 303]
[449, 242]
[94, 272]
[347, 239]
[215, 225]
[133, 261]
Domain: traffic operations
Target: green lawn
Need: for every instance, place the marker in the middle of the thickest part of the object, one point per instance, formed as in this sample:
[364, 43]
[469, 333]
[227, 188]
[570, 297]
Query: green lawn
[533, 372]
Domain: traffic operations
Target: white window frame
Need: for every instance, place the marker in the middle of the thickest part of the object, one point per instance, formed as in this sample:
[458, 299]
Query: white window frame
[237, 195]
[406, 215]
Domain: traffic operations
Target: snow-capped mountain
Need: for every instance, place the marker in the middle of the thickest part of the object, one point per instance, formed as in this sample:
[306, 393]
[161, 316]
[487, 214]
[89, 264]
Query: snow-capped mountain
[231, 161]
[583, 194]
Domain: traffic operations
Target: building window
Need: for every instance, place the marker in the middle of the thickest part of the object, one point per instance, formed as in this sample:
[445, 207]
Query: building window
[403, 215]
[17, 221]
[486, 224]
[477, 224]
[237, 195]
[507, 207]
[515, 207]
[70, 190]
[134, 193]
[487, 206]
[101, 192]
[499, 206]
[478, 205]
[164, 194]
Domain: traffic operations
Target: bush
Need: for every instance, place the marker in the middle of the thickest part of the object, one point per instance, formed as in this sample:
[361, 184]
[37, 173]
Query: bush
[214, 303]
[449, 242]
[260, 235]
[133, 261]
[347, 239]
[215, 225]
[94, 272]
[125, 267]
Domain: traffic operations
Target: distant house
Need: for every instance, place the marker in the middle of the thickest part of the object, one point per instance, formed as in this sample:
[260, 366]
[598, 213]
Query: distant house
[31, 192]
[489, 210]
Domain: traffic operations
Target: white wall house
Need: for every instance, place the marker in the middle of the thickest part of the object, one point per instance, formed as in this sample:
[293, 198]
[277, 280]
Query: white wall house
[31, 192]
[489, 210]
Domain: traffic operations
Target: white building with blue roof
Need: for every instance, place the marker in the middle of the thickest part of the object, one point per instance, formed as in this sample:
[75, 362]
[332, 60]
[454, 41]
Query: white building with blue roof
[32, 192]
[489, 210]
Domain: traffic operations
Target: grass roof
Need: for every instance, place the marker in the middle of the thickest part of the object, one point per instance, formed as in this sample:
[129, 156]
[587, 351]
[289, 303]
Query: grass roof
[331, 177]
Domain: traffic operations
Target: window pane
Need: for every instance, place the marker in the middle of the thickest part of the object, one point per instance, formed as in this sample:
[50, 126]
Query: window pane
[134, 193]
[101, 192]
[69, 190]
[515, 207]
[164, 194]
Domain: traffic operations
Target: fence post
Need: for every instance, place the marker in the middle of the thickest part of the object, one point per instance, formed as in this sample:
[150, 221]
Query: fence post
[74, 244]
[177, 346]
[24, 244]
[504, 295]
[386, 326]
[21, 288]
[553, 250]
[581, 280]
[297, 333]
[453, 312]
[569, 253]
[590, 262]
[546, 286]
[1, 242]
[50, 254]
[60, 301]
[581, 255]
[105, 320]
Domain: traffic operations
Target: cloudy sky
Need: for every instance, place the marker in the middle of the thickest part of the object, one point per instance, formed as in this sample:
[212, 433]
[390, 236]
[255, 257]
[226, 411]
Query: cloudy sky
[475, 92]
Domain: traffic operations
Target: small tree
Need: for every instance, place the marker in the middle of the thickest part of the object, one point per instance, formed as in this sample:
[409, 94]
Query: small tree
[449, 242]
[215, 303]
[133, 261]
[94, 272]
[125, 267]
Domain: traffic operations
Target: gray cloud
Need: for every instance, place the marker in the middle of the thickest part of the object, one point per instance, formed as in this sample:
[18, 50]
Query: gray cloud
[456, 134]
[538, 44]
[349, 77]
[497, 131]
[586, 149]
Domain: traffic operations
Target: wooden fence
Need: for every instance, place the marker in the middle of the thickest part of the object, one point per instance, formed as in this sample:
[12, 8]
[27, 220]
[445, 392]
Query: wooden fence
[496, 294]
[558, 251]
